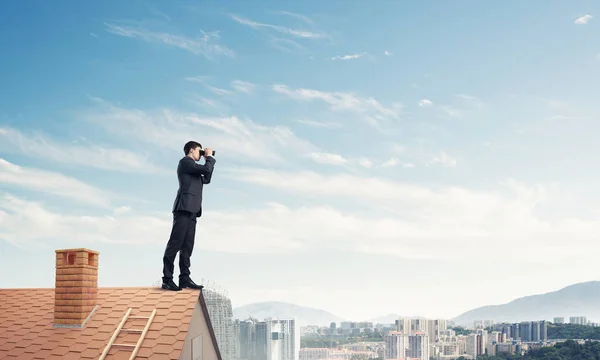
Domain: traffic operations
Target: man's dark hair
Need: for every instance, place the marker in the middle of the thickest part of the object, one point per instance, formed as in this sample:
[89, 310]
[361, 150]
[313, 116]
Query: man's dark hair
[191, 145]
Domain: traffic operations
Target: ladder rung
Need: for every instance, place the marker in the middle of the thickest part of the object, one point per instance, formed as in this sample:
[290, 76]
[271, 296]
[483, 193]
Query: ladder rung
[136, 346]
[133, 330]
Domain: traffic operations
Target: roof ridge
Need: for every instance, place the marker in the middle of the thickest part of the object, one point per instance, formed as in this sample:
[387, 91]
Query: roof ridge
[99, 287]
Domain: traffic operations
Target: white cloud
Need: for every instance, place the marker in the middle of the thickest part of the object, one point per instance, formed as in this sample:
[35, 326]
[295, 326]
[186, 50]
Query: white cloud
[306, 34]
[393, 162]
[122, 210]
[218, 91]
[365, 162]
[390, 163]
[202, 45]
[199, 79]
[387, 53]
[425, 102]
[26, 222]
[320, 124]
[89, 155]
[372, 109]
[237, 85]
[582, 20]
[287, 45]
[471, 100]
[336, 159]
[52, 183]
[230, 136]
[206, 103]
[328, 158]
[243, 86]
[349, 57]
[444, 159]
[304, 18]
[507, 214]
[422, 222]
[340, 185]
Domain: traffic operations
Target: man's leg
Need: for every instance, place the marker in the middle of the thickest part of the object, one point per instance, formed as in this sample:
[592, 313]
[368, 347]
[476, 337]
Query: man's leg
[180, 225]
[185, 254]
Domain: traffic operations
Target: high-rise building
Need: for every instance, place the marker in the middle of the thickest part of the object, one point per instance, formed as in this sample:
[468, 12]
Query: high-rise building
[418, 325]
[578, 320]
[236, 337]
[396, 343]
[471, 345]
[435, 329]
[221, 317]
[482, 338]
[247, 340]
[543, 331]
[283, 341]
[261, 338]
[535, 331]
[403, 325]
[418, 346]
[559, 320]
[526, 331]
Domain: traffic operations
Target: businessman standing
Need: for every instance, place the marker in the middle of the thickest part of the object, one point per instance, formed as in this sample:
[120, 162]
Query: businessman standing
[186, 209]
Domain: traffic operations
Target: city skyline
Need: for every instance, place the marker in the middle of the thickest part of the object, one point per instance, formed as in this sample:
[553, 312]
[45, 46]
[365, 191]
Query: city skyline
[417, 158]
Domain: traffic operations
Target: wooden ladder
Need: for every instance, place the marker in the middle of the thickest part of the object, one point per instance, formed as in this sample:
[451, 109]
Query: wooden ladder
[136, 346]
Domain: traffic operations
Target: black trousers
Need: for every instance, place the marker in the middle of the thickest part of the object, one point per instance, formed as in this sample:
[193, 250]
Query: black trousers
[181, 240]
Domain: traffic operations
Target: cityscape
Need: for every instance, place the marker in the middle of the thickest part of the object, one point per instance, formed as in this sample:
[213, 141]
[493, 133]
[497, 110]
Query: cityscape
[415, 338]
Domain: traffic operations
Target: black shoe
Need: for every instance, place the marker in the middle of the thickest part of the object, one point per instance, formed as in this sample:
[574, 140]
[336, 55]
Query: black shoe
[170, 285]
[189, 283]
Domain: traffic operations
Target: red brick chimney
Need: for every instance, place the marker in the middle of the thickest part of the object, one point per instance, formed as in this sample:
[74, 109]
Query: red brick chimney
[76, 287]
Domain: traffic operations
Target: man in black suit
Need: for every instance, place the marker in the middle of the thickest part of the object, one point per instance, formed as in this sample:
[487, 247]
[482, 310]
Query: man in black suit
[186, 208]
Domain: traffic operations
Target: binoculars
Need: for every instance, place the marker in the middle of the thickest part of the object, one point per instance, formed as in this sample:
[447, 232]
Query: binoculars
[202, 152]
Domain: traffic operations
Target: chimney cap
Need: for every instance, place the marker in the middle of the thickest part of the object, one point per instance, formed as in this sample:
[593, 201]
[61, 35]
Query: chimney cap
[77, 250]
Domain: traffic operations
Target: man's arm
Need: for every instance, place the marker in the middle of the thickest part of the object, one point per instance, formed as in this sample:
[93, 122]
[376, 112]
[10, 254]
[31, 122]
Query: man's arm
[191, 167]
[206, 178]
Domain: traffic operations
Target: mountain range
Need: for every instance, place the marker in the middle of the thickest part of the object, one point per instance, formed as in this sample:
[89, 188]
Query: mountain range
[580, 299]
[274, 309]
[575, 300]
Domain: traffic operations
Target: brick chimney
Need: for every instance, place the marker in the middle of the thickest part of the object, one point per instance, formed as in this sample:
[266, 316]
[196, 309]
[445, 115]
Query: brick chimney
[76, 287]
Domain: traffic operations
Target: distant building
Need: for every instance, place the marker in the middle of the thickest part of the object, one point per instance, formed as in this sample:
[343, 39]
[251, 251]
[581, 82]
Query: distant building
[221, 315]
[418, 346]
[559, 320]
[283, 342]
[395, 345]
[261, 338]
[247, 340]
[435, 328]
[578, 320]
[543, 331]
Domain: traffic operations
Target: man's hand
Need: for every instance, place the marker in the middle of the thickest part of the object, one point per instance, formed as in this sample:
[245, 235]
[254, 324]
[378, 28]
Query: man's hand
[207, 152]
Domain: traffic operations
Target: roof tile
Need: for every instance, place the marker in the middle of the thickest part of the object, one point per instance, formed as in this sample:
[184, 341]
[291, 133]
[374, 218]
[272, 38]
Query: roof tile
[26, 331]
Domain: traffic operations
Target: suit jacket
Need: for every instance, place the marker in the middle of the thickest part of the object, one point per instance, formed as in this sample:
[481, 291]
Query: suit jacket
[192, 177]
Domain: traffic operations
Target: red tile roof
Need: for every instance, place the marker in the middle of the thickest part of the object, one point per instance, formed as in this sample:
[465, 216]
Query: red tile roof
[27, 331]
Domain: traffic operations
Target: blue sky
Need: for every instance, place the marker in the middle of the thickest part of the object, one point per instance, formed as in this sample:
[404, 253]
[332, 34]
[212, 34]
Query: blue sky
[410, 157]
